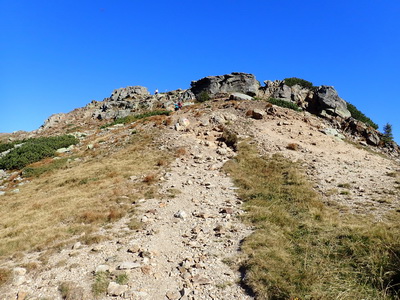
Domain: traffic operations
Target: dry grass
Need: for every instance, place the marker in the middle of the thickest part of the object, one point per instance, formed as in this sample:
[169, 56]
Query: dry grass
[302, 249]
[5, 275]
[181, 151]
[293, 146]
[66, 202]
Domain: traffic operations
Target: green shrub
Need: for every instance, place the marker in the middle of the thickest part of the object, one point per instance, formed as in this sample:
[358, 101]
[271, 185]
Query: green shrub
[358, 115]
[283, 103]
[8, 146]
[203, 97]
[133, 118]
[303, 83]
[33, 150]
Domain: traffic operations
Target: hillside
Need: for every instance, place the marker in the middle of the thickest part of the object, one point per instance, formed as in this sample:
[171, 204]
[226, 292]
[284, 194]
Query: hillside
[230, 197]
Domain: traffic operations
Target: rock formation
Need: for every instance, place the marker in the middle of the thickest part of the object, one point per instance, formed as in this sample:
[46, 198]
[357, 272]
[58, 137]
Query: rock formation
[234, 82]
[323, 101]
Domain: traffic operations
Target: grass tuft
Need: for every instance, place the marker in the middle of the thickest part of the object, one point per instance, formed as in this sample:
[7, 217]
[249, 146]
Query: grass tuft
[302, 249]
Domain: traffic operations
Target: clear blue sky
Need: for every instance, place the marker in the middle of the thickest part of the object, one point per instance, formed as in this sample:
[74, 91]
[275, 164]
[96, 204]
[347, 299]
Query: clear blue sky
[57, 55]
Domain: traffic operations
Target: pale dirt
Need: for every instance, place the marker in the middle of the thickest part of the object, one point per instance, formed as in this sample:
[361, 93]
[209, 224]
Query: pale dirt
[183, 258]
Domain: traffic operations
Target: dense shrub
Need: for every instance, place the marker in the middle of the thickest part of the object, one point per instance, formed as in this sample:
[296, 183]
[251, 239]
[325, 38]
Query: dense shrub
[133, 118]
[203, 97]
[8, 146]
[33, 150]
[303, 83]
[283, 103]
[358, 115]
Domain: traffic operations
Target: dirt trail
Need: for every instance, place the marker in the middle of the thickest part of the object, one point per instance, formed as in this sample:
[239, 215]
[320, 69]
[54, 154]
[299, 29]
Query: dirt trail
[180, 253]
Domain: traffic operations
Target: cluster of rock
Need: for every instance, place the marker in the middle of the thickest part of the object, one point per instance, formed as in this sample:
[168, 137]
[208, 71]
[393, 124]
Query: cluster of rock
[323, 101]
[126, 101]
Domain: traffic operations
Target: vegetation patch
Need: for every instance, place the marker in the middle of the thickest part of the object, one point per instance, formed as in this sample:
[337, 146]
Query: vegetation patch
[5, 276]
[358, 115]
[133, 118]
[101, 282]
[36, 171]
[203, 97]
[301, 82]
[302, 249]
[284, 103]
[7, 146]
[34, 150]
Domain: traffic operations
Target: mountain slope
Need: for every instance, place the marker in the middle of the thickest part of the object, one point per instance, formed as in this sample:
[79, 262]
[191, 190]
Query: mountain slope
[152, 209]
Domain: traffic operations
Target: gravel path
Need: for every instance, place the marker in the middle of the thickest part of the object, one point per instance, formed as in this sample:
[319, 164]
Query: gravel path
[179, 253]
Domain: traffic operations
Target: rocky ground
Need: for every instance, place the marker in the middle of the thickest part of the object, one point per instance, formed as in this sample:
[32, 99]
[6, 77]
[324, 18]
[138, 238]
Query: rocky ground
[187, 240]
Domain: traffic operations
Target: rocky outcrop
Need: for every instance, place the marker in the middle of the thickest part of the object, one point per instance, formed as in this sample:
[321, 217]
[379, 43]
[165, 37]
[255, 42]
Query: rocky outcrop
[129, 93]
[329, 103]
[126, 101]
[53, 121]
[230, 83]
[279, 90]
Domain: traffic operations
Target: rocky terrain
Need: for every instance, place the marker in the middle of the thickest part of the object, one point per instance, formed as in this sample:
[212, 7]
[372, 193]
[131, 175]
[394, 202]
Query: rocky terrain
[185, 242]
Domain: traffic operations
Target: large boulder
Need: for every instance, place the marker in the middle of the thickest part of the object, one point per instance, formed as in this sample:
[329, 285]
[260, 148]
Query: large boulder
[329, 102]
[230, 83]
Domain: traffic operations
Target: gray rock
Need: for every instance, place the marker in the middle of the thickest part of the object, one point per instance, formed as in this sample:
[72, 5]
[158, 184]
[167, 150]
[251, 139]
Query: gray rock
[77, 245]
[373, 138]
[128, 265]
[173, 295]
[130, 92]
[2, 193]
[53, 121]
[329, 101]
[333, 132]
[234, 82]
[115, 289]
[283, 92]
[180, 214]
[240, 97]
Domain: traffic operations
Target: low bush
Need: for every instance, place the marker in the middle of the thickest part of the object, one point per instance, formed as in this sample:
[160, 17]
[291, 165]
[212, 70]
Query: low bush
[358, 115]
[283, 103]
[33, 150]
[203, 97]
[303, 83]
[8, 146]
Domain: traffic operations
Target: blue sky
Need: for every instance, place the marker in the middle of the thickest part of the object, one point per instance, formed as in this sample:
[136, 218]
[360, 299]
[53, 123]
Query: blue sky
[59, 55]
